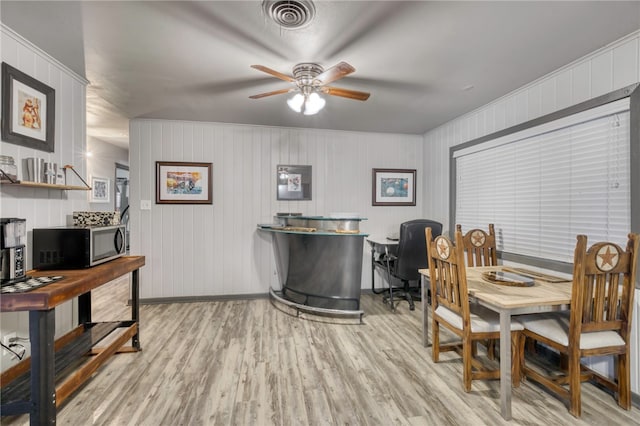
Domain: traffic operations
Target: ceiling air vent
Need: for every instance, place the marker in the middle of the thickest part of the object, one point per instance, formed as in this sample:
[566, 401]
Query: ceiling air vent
[292, 14]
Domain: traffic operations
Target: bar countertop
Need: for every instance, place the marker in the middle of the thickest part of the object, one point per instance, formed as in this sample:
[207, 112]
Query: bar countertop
[308, 230]
[334, 224]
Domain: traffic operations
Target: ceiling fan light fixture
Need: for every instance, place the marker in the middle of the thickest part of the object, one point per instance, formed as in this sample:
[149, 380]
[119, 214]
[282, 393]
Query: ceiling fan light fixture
[313, 104]
[296, 102]
[307, 103]
[310, 80]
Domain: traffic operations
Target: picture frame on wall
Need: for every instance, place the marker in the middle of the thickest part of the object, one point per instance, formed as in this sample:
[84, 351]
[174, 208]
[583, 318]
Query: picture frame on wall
[28, 110]
[99, 190]
[393, 187]
[183, 183]
[293, 182]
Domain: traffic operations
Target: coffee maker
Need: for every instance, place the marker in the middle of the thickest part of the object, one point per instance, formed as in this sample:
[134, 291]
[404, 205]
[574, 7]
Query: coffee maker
[13, 235]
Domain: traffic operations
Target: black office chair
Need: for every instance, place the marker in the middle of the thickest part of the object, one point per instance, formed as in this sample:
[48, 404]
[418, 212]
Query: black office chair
[410, 256]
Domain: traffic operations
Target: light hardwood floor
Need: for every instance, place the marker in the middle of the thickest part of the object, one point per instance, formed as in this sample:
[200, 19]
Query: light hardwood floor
[244, 362]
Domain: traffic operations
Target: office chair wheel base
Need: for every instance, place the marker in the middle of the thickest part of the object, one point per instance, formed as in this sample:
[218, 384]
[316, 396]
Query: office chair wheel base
[386, 301]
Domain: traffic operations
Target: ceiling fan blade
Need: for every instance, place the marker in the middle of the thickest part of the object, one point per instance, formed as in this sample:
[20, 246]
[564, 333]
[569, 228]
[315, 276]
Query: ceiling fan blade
[334, 73]
[346, 93]
[275, 92]
[274, 73]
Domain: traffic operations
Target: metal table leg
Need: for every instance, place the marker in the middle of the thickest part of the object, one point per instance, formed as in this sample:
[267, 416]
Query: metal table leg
[386, 252]
[425, 311]
[42, 326]
[373, 270]
[84, 308]
[505, 364]
[135, 307]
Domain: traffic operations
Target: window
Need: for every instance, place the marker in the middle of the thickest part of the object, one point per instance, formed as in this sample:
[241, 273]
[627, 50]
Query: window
[544, 182]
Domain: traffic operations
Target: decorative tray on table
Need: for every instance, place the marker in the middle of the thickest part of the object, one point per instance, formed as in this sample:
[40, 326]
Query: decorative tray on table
[537, 275]
[28, 283]
[508, 278]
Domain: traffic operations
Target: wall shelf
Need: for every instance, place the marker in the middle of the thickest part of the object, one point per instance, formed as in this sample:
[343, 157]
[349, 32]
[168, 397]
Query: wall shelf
[28, 184]
[7, 180]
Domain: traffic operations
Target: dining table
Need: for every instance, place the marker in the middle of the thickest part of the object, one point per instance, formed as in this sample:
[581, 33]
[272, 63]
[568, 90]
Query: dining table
[543, 293]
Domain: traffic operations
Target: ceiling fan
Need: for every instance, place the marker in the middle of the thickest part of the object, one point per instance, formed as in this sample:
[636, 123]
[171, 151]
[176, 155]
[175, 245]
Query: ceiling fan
[310, 79]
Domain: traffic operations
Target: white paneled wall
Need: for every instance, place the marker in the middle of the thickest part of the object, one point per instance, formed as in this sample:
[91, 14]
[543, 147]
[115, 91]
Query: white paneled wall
[203, 250]
[41, 207]
[613, 67]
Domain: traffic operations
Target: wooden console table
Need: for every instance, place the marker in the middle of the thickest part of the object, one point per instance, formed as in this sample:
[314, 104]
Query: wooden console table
[29, 387]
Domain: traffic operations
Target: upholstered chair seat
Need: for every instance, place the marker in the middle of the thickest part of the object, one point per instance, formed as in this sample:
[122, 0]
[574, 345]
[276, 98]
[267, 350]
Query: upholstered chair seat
[482, 320]
[555, 327]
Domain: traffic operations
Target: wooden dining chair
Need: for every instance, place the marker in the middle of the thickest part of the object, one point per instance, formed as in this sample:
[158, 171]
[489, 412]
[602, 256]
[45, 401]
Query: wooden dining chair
[598, 323]
[451, 309]
[480, 250]
[479, 246]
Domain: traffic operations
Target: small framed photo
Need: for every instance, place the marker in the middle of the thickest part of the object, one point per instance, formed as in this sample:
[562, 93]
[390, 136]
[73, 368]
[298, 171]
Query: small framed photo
[183, 183]
[394, 187]
[28, 110]
[99, 190]
[293, 182]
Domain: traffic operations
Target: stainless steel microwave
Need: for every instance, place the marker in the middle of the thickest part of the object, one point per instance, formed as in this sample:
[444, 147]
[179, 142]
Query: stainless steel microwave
[74, 247]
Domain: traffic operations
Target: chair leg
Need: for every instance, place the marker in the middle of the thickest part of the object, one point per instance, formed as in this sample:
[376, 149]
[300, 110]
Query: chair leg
[466, 361]
[624, 381]
[515, 358]
[575, 407]
[491, 349]
[531, 346]
[435, 340]
[522, 344]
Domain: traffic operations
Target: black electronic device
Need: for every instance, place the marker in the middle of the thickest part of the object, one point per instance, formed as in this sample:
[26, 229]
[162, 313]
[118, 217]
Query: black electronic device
[75, 247]
[13, 234]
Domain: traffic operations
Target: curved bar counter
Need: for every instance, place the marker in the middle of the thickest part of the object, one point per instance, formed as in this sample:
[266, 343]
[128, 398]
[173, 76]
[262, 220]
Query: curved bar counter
[319, 263]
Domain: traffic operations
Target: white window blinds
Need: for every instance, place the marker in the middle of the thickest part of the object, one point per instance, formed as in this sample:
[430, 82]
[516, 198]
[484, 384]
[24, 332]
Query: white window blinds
[544, 185]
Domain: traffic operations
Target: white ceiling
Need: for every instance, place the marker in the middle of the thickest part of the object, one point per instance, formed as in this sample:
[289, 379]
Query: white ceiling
[191, 60]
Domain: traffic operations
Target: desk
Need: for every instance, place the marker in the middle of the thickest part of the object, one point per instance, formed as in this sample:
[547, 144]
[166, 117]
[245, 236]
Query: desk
[508, 301]
[381, 246]
[44, 396]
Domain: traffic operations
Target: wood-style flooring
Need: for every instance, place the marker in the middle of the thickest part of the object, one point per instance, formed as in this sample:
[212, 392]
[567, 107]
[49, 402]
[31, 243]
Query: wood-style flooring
[246, 362]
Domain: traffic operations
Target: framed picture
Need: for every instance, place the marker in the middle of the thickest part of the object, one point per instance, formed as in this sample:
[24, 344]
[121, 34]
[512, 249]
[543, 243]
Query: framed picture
[99, 190]
[293, 182]
[394, 187]
[183, 183]
[28, 110]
